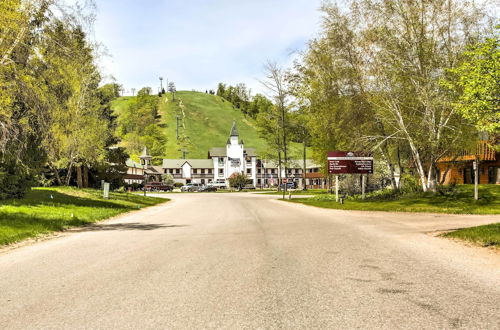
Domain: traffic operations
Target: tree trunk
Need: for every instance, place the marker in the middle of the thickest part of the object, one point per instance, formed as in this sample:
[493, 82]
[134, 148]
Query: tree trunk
[85, 176]
[68, 175]
[304, 186]
[390, 167]
[79, 177]
[56, 174]
[279, 171]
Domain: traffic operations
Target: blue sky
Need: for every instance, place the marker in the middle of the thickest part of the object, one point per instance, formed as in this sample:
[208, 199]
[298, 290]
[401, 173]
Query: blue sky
[198, 43]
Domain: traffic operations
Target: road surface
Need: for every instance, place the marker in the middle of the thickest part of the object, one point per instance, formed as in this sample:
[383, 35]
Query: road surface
[247, 261]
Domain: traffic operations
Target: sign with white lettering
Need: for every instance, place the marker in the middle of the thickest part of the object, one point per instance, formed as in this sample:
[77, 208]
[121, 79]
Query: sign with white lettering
[349, 162]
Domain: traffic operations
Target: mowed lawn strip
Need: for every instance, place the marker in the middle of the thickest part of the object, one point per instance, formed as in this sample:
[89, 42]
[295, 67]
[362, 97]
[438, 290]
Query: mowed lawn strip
[45, 210]
[459, 201]
[487, 235]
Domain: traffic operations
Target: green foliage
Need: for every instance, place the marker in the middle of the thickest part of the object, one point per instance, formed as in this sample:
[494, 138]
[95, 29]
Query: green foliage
[138, 125]
[168, 179]
[478, 84]
[238, 180]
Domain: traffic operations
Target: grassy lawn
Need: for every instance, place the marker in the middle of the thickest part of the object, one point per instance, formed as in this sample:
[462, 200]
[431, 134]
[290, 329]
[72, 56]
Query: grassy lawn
[298, 192]
[45, 210]
[488, 235]
[459, 201]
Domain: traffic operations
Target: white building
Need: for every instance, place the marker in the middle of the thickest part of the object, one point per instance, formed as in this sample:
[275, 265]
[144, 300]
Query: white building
[225, 161]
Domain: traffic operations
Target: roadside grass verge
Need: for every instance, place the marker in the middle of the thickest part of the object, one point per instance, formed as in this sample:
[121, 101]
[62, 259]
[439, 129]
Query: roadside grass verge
[457, 201]
[486, 236]
[297, 192]
[45, 210]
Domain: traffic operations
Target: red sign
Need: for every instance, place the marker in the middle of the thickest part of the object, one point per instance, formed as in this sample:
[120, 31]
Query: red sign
[349, 162]
[285, 180]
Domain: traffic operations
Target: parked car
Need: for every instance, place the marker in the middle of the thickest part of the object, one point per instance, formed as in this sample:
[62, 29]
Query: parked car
[190, 187]
[158, 186]
[289, 185]
[208, 188]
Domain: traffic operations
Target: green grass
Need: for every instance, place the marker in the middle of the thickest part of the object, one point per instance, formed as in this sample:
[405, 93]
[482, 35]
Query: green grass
[299, 192]
[37, 213]
[208, 120]
[488, 235]
[459, 201]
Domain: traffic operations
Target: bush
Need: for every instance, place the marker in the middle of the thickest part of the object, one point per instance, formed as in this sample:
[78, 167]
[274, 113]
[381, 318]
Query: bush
[15, 181]
[178, 184]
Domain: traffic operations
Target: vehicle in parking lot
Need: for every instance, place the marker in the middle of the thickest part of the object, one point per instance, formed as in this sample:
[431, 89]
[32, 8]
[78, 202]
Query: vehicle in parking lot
[289, 185]
[158, 186]
[208, 188]
[190, 187]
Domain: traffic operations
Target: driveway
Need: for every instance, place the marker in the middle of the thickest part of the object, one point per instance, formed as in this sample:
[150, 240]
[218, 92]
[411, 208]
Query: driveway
[246, 261]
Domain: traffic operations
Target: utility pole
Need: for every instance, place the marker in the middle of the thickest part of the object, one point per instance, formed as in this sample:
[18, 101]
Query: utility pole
[184, 152]
[161, 85]
[177, 126]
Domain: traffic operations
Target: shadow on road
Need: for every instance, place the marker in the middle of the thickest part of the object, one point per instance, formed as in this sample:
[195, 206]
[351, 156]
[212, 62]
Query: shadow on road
[126, 226]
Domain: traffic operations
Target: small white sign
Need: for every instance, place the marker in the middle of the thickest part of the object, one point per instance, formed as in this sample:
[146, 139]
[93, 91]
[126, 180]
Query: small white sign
[106, 189]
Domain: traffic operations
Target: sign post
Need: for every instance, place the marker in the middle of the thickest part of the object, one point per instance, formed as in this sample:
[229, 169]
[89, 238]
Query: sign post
[337, 188]
[363, 185]
[475, 166]
[106, 190]
[349, 162]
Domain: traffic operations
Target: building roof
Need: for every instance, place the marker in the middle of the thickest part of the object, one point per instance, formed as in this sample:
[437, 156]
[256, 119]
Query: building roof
[154, 170]
[131, 163]
[250, 152]
[293, 163]
[234, 130]
[194, 163]
[217, 152]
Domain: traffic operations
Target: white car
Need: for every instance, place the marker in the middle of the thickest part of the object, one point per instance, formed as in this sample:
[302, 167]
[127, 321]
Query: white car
[190, 187]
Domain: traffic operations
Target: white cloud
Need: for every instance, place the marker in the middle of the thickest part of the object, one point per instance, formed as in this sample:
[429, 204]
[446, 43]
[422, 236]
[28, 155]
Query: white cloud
[199, 43]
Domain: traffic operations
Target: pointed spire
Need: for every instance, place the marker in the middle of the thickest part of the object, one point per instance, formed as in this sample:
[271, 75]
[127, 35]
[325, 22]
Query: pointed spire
[145, 152]
[234, 129]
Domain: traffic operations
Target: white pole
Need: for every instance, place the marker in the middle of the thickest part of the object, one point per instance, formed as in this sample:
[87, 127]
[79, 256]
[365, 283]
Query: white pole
[337, 188]
[363, 183]
[476, 178]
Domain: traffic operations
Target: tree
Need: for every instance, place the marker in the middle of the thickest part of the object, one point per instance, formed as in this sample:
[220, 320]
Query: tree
[275, 83]
[372, 80]
[171, 89]
[238, 180]
[477, 82]
[168, 179]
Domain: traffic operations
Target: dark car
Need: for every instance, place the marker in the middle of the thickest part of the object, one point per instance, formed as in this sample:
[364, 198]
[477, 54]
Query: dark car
[208, 188]
[289, 185]
[158, 186]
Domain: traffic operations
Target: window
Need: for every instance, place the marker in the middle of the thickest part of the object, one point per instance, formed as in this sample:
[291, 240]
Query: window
[221, 161]
[258, 181]
[165, 171]
[171, 171]
[209, 171]
[249, 171]
[177, 171]
[202, 171]
[221, 171]
[258, 171]
[273, 171]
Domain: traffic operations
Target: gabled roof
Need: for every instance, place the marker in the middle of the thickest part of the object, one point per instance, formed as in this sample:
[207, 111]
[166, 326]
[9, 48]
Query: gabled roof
[292, 163]
[250, 152]
[194, 163]
[217, 152]
[131, 163]
[234, 130]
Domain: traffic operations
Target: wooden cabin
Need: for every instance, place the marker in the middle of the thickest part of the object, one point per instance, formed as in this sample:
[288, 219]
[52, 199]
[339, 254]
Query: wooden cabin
[459, 168]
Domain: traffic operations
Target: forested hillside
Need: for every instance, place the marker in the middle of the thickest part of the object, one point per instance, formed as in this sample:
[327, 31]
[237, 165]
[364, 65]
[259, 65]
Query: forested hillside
[204, 122]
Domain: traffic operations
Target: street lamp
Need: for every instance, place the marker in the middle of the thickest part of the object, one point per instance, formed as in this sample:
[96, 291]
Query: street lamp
[161, 85]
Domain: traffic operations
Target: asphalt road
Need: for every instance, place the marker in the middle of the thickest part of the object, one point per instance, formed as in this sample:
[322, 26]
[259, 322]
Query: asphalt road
[244, 261]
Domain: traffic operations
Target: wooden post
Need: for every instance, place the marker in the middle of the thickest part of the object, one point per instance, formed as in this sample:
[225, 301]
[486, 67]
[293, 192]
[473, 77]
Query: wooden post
[476, 178]
[337, 188]
[363, 183]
